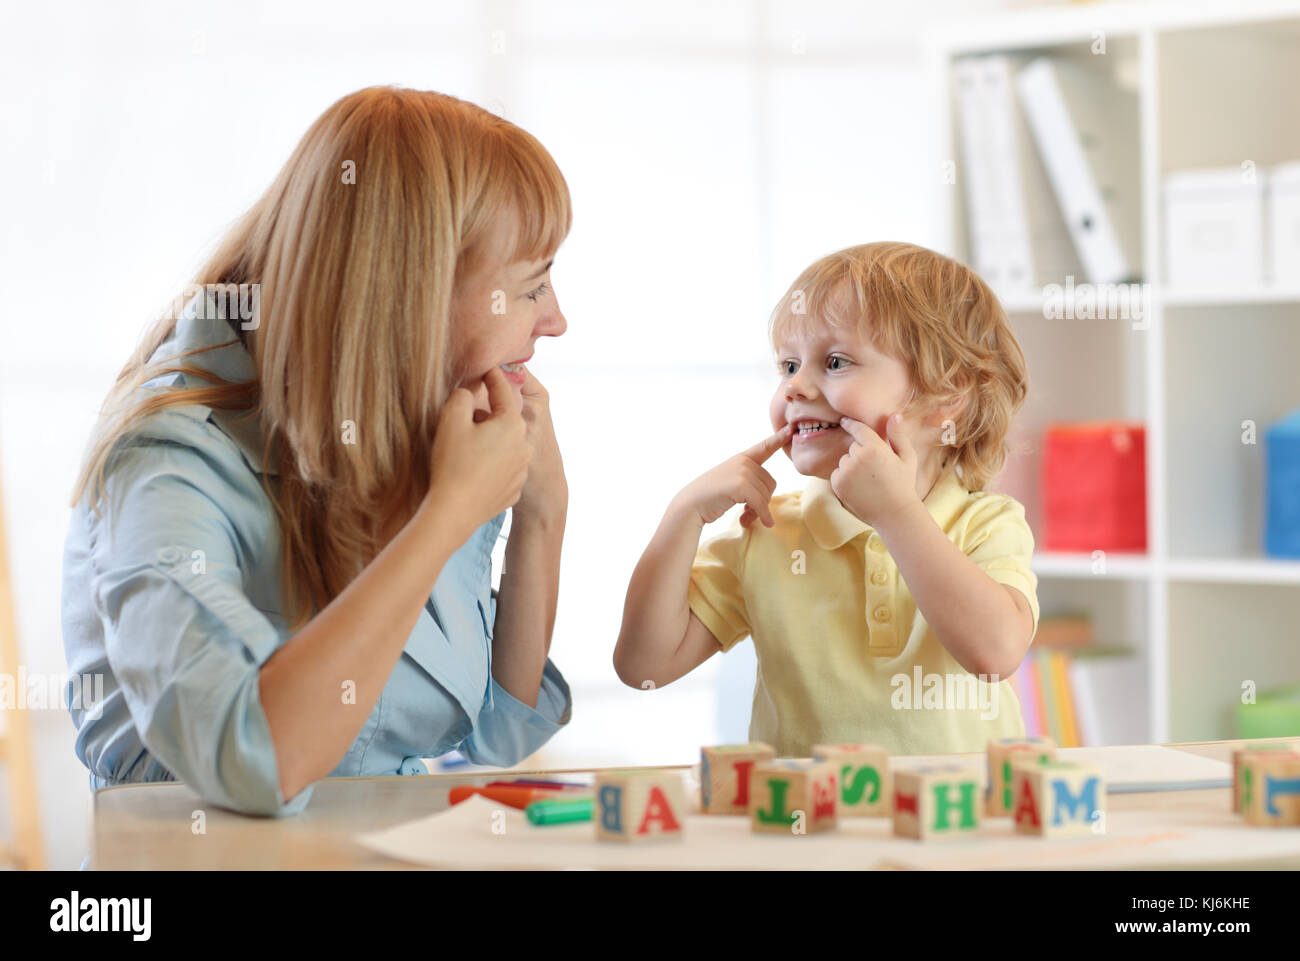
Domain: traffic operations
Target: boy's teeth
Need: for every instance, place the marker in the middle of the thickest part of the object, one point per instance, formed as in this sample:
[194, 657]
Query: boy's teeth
[513, 368]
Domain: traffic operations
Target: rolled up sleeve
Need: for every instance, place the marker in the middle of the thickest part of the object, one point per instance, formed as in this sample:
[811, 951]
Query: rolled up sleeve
[715, 592]
[183, 639]
[508, 730]
[1004, 548]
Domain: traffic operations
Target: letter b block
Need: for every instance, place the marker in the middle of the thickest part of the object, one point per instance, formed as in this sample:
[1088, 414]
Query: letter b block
[636, 806]
[935, 802]
[1058, 799]
[866, 789]
[793, 797]
[724, 776]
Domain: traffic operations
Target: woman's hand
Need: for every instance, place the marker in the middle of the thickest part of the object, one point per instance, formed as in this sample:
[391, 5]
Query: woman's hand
[479, 468]
[546, 492]
[738, 480]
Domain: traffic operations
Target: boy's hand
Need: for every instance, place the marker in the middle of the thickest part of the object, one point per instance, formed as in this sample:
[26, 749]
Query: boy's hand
[739, 480]
[874, 479]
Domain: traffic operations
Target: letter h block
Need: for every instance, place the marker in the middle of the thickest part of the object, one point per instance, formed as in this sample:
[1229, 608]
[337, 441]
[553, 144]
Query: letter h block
[1001, 753]
[936, 802]
[1058, 799]
[793, 796]
[640, 805]
[866, 789]
[724, 775]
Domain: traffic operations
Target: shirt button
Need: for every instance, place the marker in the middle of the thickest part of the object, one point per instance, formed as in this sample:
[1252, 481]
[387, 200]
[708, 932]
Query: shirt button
[875, 543]
[169, 555]
[881, 613]
[879, 577]
[412, 765]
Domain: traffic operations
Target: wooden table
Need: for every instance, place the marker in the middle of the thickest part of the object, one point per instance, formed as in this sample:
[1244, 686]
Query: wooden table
[148, 826]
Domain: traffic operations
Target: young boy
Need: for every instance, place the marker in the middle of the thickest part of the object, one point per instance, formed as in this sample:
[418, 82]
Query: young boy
[889, 599]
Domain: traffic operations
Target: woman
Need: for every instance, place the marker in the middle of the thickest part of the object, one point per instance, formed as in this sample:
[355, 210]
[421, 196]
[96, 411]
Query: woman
[280, 553]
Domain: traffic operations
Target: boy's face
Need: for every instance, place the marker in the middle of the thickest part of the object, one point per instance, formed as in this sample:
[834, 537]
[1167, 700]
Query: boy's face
[829, 373]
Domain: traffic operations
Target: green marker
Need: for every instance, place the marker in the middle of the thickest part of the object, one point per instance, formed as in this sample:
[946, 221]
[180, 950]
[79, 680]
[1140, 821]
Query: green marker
[557, 811]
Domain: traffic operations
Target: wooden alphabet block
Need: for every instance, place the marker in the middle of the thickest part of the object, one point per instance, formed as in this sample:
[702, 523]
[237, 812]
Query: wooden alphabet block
[794, 797]
[936, 802]
[724, 775]
[1056, 799]
[866, 788]
[642, 805]
[1271, 788]
[1001, 752]
[1238, 772]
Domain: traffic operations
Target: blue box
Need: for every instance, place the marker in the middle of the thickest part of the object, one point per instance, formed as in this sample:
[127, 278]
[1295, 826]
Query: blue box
[1282, 480]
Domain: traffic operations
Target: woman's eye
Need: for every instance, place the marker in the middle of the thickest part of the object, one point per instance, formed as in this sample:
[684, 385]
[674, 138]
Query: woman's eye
[534, 294]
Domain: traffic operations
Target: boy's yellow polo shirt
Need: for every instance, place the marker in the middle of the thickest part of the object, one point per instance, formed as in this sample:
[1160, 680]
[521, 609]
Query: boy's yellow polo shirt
[844, 655]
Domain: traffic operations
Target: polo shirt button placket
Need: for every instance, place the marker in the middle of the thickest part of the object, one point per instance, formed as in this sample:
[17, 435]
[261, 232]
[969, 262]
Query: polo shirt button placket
[880, 628]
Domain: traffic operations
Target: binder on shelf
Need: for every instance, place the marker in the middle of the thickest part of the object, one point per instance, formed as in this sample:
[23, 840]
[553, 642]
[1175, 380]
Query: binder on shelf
[982, 214]
[1085, 125]
[1019, 239]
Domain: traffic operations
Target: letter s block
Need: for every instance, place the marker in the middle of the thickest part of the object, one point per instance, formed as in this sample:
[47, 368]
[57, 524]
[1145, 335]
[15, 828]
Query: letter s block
[1058, 799]
[639, 805]
[724, 776]
[866, 789]
[779, 791]
[937, 802]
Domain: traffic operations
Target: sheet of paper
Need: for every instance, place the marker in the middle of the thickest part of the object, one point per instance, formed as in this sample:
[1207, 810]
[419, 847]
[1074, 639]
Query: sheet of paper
[478, 833]
[1127, 768]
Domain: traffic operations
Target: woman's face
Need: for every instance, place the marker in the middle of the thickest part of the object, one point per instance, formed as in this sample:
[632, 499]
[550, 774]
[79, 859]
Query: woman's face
[498, 314]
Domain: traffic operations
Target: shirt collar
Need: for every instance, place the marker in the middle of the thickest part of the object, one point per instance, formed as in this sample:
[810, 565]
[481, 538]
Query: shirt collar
[205, 326]
[833, 525]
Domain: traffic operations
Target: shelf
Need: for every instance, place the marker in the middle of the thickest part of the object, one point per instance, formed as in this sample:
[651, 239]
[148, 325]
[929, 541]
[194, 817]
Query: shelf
[1215, 83]
[1184, 297]
[1118, 566]
[1234, 570]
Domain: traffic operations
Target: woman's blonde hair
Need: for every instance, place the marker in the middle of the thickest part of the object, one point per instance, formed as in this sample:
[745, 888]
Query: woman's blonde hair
[389, 200]
[937, 318]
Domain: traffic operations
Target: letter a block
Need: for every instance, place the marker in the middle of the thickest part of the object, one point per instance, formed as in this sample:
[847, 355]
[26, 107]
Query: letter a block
[936, 802]
[1271, 797]
[1240, 787]
[636, 806]
[1058, 799]
[724, 776]
[1002, 751]
[793, 797]
[866, 789]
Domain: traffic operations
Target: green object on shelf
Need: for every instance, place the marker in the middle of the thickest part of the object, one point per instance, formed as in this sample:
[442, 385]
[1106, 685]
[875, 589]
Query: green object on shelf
[1275, 713]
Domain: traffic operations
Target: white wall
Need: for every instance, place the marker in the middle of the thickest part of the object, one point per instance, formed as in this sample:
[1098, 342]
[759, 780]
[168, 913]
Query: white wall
[712, 149]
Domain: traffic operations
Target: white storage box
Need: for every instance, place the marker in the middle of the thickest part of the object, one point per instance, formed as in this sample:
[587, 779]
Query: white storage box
[1214, 229]
[1284, 226]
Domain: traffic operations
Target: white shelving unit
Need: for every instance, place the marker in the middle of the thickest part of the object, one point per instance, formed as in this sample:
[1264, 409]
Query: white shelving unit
[1217, 84]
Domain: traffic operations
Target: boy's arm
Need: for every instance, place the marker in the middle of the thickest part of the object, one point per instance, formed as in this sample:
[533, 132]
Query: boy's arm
[984, 629]
[660, 639]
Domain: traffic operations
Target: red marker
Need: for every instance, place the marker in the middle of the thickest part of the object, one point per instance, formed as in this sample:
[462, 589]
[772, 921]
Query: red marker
[515, 797]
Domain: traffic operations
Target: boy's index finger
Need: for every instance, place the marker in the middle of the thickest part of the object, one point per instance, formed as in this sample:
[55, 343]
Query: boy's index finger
[768, 446]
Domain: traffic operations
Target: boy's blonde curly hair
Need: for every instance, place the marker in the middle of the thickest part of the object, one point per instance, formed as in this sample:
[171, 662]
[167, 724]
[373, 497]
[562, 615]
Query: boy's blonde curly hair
[936, 317]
